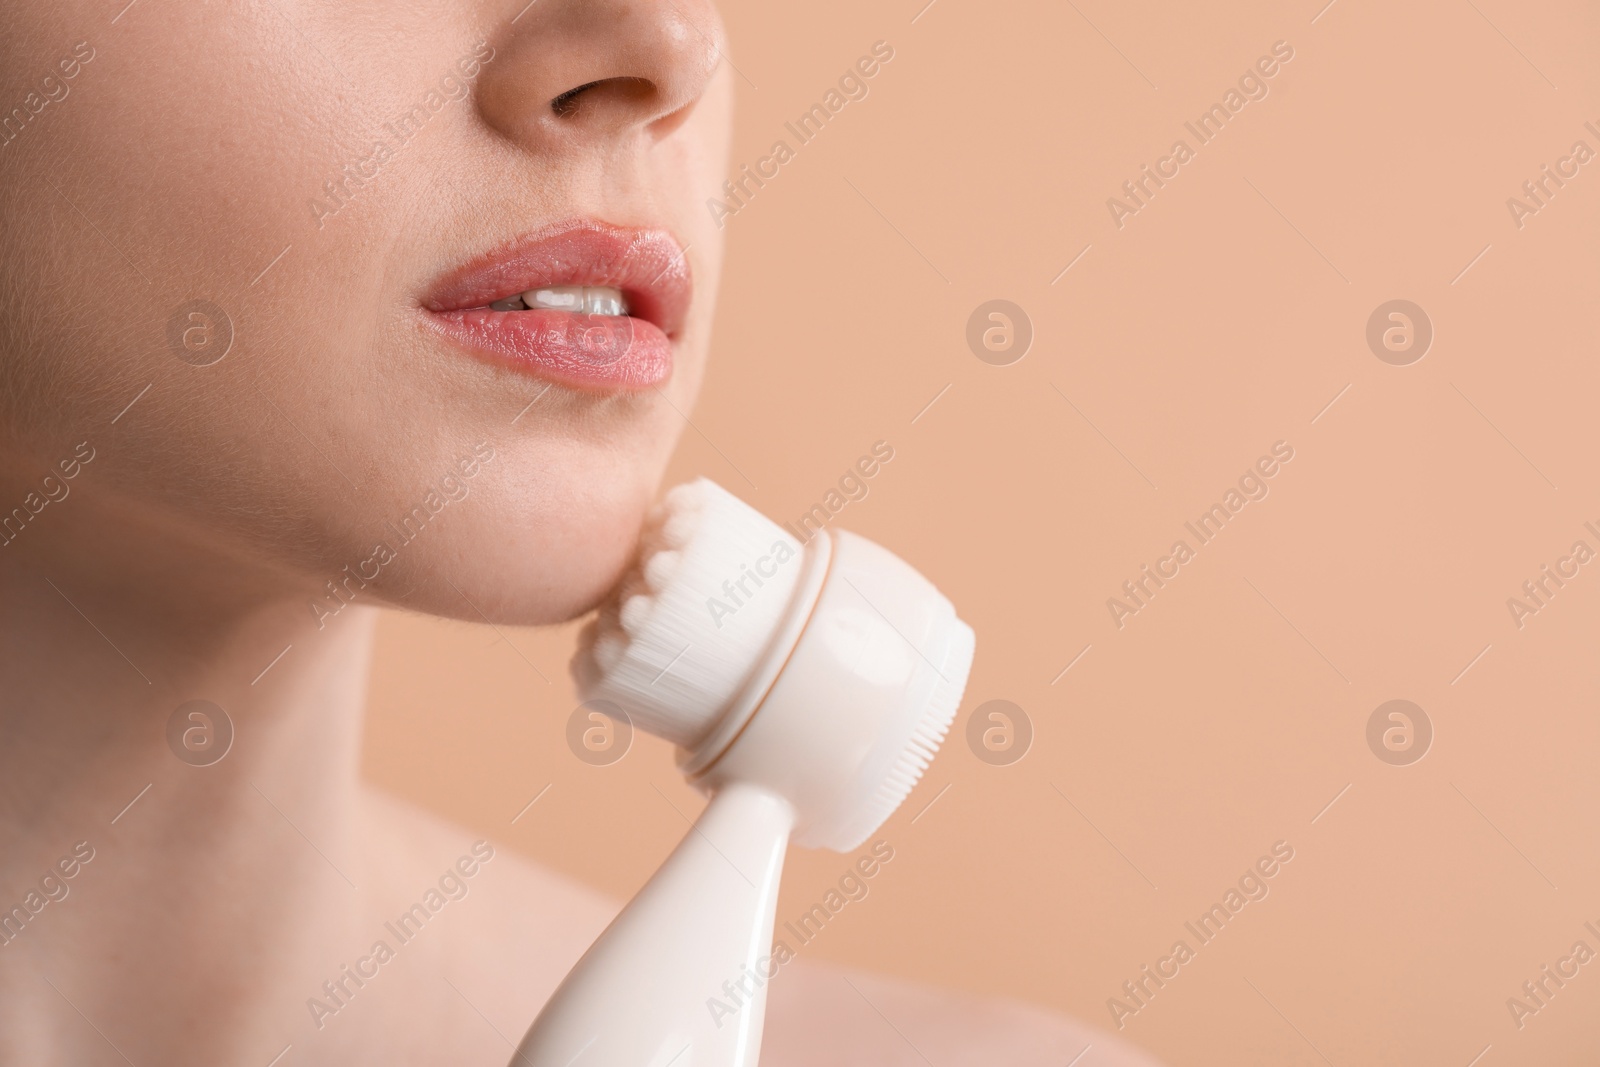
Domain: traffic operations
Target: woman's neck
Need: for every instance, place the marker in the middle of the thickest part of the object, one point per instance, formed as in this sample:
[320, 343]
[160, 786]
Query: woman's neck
[197, 841]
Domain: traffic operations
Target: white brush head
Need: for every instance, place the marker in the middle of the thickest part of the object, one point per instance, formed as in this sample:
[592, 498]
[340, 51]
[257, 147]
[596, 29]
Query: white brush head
[827, 673]
[694, 615]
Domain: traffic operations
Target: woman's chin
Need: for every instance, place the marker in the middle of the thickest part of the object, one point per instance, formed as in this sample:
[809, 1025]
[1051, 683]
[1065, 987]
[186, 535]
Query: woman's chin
[528, 574]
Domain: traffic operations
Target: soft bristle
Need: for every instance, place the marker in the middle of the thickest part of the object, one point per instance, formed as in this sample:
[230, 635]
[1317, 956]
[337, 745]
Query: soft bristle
[927, 734]
[689, 623]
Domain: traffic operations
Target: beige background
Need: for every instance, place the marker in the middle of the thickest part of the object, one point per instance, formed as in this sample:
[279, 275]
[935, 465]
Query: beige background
[1221, 318]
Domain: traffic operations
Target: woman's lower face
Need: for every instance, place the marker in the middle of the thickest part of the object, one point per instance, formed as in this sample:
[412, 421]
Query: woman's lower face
[251, 273]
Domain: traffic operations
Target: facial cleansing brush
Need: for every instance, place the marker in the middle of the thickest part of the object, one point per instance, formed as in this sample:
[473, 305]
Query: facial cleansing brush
[807, 687]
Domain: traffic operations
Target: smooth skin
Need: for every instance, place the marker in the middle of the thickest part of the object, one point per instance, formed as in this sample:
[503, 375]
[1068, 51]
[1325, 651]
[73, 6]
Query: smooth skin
[183, 158]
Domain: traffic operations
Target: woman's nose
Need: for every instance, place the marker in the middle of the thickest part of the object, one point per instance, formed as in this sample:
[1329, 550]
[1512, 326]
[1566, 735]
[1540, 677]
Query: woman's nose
[575, 72]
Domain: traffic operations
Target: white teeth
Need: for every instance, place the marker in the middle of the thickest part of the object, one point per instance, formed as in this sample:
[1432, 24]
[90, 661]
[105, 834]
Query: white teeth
[582, 299]
[579, 299]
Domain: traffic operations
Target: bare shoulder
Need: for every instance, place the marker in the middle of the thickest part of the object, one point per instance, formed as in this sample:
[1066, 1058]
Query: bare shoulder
[509, 932]
[505, 931]
[820, 1014]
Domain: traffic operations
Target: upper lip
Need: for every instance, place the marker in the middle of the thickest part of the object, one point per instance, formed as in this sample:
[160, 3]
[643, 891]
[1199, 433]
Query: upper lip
[648, 265]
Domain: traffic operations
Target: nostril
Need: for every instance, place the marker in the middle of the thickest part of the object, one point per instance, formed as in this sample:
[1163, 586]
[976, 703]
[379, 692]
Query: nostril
[600, 72]
[629, 92]
[567, 103]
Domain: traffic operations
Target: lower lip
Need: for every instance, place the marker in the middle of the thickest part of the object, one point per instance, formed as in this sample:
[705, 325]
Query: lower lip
[597, 353]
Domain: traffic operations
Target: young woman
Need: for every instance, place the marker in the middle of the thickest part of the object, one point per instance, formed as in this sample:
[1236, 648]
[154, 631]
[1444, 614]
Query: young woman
[268, 362]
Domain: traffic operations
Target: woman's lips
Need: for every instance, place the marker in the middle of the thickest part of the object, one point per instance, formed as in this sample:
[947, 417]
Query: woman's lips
[595, 352]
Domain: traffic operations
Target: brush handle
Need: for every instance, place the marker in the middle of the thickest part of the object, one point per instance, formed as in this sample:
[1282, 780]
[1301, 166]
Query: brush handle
[679, 977]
